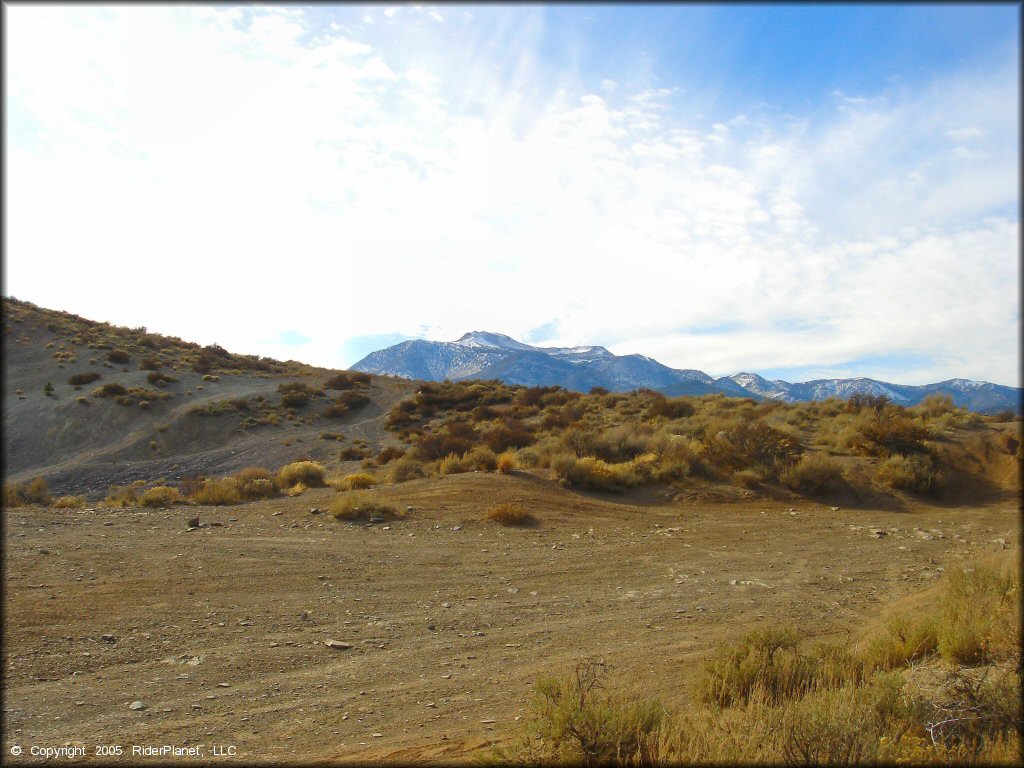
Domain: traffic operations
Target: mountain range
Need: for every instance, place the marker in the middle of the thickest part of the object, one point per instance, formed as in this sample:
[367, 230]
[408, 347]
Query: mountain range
[487, 355]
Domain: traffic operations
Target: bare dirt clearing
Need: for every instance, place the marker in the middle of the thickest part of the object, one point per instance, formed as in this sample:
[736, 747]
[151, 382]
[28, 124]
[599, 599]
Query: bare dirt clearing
[219, 631]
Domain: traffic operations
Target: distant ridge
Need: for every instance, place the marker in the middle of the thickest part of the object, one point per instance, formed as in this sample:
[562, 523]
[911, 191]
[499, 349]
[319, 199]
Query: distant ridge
[489, 355]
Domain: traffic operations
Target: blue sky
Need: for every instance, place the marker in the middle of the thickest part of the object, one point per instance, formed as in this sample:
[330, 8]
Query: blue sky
[801, 191]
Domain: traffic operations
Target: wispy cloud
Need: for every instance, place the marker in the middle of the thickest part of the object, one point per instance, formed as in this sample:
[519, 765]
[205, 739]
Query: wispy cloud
[221, 173]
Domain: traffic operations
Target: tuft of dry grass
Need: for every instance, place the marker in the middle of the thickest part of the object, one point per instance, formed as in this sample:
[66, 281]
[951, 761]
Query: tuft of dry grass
[18, 494]
[310, 473]
[356, 482]
[506, 462]
[255, 483]
[124, 495]
[160, 496]
[223, 492]
[355, 506]
[69, 502]
[405, 468]
[510, 513]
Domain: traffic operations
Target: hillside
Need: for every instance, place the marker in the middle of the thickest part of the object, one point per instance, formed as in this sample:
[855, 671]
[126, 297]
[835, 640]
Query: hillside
[172, 409]
[88, 406]
[486, 355]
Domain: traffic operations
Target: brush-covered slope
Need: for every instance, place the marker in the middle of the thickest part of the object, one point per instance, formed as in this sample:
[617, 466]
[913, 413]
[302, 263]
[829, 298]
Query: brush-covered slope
[486, 355]
[88, 404]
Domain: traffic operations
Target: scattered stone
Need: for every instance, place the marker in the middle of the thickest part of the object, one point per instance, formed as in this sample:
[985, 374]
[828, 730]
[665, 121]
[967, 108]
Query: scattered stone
[488, 721]
[410, 509]
[136, 706]
[108, 638]
[376, 519]
[834, 509]
[430, 705]
[878, 533]
[431, 627]
[338, 645]
[275, 514]
[304, 616]
[223, 685]
[457, 528]
[193, 522]
[446, 605]
[315, 511]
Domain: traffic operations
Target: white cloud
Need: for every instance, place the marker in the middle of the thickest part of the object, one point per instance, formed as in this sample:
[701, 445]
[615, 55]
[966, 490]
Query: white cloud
[224, 179]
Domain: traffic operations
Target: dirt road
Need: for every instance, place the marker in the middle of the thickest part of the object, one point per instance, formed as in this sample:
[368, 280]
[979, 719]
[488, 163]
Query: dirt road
[216, 635]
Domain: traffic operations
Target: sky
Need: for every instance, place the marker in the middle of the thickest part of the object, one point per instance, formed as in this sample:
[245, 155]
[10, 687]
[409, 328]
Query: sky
[798, 191]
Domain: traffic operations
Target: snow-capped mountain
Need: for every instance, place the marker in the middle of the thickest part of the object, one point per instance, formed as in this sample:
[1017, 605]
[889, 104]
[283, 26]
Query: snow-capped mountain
[487, 355]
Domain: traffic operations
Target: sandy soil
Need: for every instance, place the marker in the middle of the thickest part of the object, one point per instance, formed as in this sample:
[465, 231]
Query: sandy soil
[219, 631]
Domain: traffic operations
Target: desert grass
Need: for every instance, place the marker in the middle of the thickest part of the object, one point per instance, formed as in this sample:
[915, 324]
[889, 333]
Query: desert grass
[18, 494]
[160, 496]
[903, 696]
[510, 513]
[309, 473]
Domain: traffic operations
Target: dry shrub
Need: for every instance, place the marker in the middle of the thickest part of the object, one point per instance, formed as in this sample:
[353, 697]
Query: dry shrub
[510, 513]
[889, 432]
[310, 473]
[388, 454]
[901, 640]
[506, 462]
[457, 439]
[348, 380]
[978, 617]
[353, 453]
[735, 446]
[17, 494]
[118, 356]
[110, 389]
[814, 473]
[512, 434]
[482, 458]
[916, 473]
[69, 502]
[592, 473]
[453, 465]
[159, 379]
[843, 726]
[405, 468]
[160, 496]
[576, 719]
[356, 482]
[124, 495]
[353, 506]
[297, 490]
[221, 492]
[255, 483]
[83, 378]
[765, 663]
[670, 408]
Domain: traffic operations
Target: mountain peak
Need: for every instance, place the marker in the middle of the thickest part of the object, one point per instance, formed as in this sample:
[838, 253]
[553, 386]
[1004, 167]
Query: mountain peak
[490, 339]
